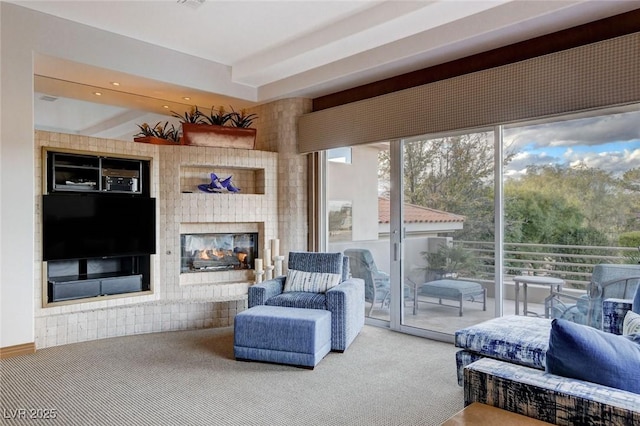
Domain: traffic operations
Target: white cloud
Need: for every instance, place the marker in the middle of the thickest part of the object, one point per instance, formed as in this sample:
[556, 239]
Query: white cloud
[518, 165]
[615, 163]
[610, 143]
[587, 131]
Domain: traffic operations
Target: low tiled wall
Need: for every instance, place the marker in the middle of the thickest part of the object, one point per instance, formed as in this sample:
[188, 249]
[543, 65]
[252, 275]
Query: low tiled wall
[136, 318]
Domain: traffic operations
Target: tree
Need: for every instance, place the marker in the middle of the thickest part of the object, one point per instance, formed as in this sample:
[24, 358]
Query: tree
[607, 204]
[449, 260]
[452, 174]
[631, 239]
[538, 217]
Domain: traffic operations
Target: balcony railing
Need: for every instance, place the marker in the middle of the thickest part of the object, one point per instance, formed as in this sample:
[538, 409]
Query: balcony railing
[574, 264]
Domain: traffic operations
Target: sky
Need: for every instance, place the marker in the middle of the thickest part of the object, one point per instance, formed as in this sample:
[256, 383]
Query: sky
[608, 142]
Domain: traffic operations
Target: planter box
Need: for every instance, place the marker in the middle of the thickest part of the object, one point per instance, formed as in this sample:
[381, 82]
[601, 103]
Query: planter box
[155, 141]
[218, 136]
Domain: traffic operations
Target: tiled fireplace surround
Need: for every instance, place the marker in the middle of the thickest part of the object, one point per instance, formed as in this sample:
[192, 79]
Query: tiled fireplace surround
[275, 208]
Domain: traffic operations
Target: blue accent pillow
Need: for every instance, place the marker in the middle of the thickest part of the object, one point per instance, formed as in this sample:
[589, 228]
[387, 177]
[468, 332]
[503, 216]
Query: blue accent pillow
[585, 353]
[636, 301]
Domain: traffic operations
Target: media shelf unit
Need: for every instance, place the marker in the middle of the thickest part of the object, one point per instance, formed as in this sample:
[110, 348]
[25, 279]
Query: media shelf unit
[99, 227]
[72, 172]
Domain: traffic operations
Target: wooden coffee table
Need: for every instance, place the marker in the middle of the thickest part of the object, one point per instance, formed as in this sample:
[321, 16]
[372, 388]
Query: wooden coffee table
[481, 414]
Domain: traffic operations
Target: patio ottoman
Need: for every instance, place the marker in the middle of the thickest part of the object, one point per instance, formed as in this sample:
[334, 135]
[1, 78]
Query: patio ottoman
[294, 336]
[457, 290]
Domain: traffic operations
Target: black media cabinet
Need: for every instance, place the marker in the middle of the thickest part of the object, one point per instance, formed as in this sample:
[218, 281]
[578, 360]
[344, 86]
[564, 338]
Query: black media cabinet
[85, 278]
[77, 184]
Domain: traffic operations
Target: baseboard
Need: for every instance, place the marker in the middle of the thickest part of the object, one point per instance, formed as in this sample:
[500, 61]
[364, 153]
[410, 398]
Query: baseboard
[17, 350]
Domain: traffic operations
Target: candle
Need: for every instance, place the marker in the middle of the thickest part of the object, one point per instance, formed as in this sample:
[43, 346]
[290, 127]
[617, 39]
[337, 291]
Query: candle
[258, 263]
[278, 265]
[267, 257]
[269, 273]
[275, 247]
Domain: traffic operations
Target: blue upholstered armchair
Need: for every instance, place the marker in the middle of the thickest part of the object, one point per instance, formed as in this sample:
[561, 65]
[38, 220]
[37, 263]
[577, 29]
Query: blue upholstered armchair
[345, 300]
[608, 298]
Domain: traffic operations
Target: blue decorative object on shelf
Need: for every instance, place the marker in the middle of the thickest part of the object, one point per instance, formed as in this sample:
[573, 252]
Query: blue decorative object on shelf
[228, 185]
[217, 186]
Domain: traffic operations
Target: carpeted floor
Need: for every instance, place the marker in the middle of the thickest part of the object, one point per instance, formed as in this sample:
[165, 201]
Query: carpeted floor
[191, 378]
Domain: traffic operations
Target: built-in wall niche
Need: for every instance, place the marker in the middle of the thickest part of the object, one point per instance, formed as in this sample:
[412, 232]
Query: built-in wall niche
[77, 172]
[98, 226]
[87, 278]
[248, 180]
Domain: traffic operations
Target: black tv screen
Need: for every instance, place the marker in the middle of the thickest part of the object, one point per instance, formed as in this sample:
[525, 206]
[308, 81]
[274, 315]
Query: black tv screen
[89, 226]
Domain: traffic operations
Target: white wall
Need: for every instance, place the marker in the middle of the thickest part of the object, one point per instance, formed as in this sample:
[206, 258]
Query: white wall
[357, 182]
[17, 177]
[24, 33]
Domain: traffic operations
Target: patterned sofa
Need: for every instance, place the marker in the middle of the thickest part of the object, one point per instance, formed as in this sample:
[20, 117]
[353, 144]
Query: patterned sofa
[502, 363]
[547, 397]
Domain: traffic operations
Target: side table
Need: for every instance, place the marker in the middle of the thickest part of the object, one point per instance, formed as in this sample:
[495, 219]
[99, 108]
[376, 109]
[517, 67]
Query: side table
[534, 279]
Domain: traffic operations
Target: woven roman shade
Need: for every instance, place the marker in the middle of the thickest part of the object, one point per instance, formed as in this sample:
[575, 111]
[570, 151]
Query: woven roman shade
[588, 77]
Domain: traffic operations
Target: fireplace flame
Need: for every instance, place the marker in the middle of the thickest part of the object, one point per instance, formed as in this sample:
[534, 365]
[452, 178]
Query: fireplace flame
[204, 255]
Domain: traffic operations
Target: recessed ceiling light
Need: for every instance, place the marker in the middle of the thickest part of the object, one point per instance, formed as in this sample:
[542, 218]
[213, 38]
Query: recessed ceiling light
[165, 106]
[186, 98]
[97, 93]
[115, 83]
[194, 4]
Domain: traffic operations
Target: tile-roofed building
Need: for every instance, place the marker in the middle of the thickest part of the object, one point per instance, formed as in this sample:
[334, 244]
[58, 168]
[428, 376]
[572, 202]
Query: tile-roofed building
[415, 214]
[418, 219]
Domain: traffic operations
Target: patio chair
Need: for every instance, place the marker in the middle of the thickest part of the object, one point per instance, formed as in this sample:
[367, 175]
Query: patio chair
[608, 282]
[376, 283]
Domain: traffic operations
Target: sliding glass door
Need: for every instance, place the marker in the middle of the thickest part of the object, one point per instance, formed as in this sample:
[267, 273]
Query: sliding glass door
[446, 230]
[571, 201]
[448, 222]
[416, 219]
[358, 213]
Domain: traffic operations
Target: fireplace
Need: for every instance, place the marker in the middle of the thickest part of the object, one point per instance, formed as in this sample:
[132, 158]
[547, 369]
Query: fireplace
[217, 252]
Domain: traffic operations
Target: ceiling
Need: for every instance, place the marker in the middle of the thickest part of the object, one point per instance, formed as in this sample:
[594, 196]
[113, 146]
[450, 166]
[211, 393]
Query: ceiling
[280, 49]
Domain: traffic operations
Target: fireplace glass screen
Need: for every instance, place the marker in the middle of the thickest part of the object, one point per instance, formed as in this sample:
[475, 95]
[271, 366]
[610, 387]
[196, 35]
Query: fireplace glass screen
[217, 252]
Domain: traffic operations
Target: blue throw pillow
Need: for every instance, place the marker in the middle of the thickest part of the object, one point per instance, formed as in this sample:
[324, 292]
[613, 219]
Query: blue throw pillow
[585, 353]
[636, 301]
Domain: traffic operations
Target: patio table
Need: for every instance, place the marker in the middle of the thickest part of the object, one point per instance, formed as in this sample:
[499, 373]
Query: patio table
[534, 279]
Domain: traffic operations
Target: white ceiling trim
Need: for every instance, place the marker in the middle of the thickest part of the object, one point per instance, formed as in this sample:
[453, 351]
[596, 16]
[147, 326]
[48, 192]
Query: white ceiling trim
[474, 33]
[242, 53]
[319, 47]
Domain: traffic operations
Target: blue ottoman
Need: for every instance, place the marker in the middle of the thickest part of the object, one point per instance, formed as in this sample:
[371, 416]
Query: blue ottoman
[295, 336]
[457, 290]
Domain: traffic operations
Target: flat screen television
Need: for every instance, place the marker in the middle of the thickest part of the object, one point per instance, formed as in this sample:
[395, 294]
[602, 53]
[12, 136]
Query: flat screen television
[90, 226]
